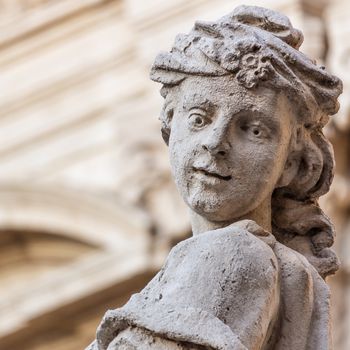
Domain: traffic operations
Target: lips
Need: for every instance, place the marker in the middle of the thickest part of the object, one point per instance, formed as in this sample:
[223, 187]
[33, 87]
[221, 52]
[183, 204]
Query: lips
[212, 173]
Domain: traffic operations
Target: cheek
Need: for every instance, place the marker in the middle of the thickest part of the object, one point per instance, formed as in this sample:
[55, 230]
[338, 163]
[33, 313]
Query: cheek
[183, 147]
[180, 154]
[263, 163]
[274, 166]
[254, 154]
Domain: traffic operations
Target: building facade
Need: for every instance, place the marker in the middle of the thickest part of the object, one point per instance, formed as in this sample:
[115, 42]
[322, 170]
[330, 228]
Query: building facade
[88, 210]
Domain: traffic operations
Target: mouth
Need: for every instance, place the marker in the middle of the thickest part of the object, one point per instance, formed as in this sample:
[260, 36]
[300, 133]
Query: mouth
[212, 174]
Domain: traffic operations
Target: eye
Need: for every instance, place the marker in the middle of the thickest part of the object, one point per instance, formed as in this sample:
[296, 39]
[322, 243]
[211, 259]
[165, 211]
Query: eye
[254, 130]
[198, 121]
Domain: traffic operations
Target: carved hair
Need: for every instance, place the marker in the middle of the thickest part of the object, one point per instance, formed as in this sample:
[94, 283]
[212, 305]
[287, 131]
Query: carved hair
[260, 46]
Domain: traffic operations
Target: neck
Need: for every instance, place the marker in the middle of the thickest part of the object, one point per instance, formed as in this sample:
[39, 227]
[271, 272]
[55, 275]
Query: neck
[261, 215]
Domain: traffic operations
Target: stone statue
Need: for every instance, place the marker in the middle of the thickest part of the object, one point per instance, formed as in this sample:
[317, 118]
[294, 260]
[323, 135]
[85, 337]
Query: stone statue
[243, 117]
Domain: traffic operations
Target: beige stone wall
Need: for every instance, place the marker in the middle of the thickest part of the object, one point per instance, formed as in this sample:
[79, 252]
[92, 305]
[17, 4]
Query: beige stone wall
[88, 209]
[337, 203]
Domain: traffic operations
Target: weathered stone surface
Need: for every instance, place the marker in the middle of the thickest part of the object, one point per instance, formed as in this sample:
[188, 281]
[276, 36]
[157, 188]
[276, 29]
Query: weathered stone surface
[243, 117]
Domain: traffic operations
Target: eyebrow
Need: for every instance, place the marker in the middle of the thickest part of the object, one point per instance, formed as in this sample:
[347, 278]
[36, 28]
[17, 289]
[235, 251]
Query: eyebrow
[199, 110]
[258, 116]
[198, 103]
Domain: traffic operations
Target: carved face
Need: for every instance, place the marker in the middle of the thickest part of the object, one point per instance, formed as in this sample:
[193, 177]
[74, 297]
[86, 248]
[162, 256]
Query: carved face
[228, 145]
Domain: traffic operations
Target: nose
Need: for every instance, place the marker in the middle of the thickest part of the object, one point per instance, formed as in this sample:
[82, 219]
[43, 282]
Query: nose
[216, 143]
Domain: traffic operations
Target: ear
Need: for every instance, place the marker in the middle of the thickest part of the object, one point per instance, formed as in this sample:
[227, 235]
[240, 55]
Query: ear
[311, 167]
[165, 119]
[290, 170]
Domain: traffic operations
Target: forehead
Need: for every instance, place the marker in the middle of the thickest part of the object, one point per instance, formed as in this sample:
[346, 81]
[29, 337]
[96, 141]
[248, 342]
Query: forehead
[226, 92]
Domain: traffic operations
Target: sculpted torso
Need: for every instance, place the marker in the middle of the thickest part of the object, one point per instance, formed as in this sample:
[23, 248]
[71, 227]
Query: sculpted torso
[243, 115]
[222, 290]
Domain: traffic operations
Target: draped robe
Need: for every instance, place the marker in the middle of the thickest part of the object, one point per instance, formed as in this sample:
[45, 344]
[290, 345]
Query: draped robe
[234, 288]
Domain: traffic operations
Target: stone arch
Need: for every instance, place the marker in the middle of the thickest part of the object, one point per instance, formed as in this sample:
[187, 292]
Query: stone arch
[109, 259]
[104, 223]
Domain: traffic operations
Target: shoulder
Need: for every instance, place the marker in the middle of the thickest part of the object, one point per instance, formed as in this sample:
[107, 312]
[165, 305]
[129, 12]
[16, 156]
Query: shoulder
[234, 248]
[236, 236]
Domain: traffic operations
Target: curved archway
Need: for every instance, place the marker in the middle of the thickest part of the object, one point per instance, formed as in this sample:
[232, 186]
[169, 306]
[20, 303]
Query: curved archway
[25, 257]
[98, 221]
[61, 250]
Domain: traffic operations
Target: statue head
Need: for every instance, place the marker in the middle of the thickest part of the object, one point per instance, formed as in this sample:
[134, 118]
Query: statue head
[243, 116]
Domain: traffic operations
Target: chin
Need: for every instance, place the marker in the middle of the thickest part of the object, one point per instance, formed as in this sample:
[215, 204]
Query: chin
[217, 209]
[213, 209]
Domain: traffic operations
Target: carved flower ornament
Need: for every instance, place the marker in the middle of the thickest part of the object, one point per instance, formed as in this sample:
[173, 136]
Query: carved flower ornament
[252, 69]
[249, 61]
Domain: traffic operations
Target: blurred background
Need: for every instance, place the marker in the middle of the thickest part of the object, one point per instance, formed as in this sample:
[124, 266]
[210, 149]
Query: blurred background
[88, 210]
